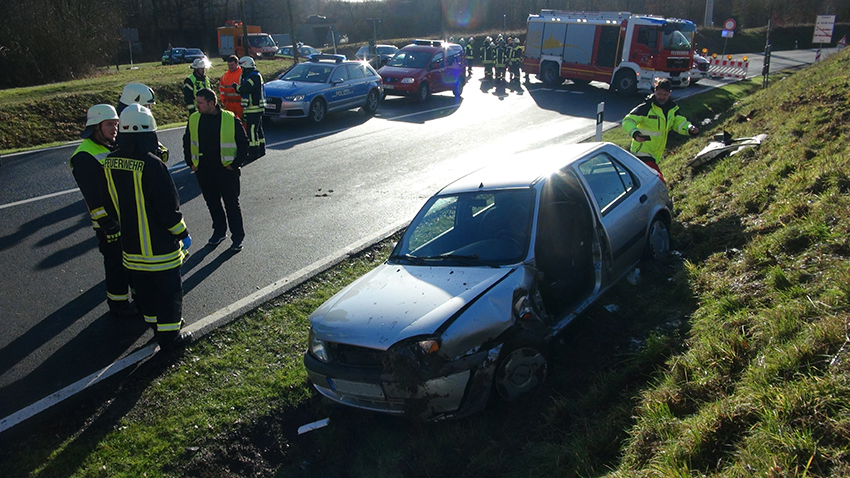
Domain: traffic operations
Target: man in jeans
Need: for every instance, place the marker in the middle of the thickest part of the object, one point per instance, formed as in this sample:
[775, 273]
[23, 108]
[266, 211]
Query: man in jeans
[215, 146]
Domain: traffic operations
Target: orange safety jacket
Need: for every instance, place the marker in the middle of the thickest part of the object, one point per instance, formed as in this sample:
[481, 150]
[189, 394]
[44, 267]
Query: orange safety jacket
[230, 99]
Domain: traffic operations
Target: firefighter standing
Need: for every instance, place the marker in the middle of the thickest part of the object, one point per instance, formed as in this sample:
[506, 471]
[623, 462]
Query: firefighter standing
[194, 82]
[230, 99]
[516, 56]
[154, 237]
[501, 59]
[488, 57]
[214, 146]
[140, 94]
[253, 104]
[469, 53]
[87, 168]
[649, 122]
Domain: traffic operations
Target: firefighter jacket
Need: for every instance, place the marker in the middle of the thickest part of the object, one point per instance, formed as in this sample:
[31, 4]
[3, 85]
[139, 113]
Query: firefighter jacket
[148, 209]
[501, 56]
[655, 121]
[516, 55]
[87, 168]
[488, 54]
[217, 140]
[191, 85]
[230, 99]
[251, 89]
[469, 53]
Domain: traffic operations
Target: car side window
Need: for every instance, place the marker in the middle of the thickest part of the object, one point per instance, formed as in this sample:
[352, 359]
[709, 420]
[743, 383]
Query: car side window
[608, 180]
[355, 71]
[437, 60]
[340, 74]
[369, 71]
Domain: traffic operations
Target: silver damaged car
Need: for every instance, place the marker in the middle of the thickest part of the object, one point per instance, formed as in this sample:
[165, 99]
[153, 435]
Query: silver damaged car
[488, 272]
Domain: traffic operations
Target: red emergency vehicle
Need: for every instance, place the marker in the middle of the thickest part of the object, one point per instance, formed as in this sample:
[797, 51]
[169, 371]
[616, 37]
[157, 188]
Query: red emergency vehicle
[624, 50]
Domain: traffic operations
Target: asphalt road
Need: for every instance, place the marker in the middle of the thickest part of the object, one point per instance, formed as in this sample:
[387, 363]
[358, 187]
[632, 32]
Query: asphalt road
[320, 192]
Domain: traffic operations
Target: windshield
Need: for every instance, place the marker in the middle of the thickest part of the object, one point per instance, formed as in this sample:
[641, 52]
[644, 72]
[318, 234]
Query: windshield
[476, 228]
[261, 41]
[193, 51]
[309, 72]
[678, 36]
[410, 59]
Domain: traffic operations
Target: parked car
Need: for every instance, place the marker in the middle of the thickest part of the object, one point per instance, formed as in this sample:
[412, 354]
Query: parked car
[172, 56]
[700, 68]
[191, 54]
[325, 84]
[425, 67]
[491, 268]
[304, 52]
[382, 54]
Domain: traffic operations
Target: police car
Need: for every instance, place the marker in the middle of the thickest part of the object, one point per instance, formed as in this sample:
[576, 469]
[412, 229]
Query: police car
[325, 84]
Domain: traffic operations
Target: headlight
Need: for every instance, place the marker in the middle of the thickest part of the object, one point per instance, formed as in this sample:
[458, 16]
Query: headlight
[407, 80]
[294, 98]
[317, 348]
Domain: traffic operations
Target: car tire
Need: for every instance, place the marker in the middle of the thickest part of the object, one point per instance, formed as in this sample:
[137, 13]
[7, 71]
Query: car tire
[318, 110]
[657, 240]
[625, 82]
[550, 76]
[458, 88]
[523, 365]
[423, 93]
[372, 100]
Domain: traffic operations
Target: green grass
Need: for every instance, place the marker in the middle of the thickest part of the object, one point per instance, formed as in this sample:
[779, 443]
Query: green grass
[728, 359]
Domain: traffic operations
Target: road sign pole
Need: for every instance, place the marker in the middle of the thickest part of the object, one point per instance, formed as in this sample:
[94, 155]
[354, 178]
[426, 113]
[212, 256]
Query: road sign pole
[600, 116]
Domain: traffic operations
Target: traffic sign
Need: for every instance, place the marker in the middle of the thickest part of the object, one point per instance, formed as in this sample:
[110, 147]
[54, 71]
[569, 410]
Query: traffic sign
[729, 24]
[823, 29]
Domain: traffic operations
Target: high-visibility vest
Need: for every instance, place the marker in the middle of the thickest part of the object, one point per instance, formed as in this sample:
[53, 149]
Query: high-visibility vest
[231, 100]
[227, 137]
[196, 85]
[99, 152]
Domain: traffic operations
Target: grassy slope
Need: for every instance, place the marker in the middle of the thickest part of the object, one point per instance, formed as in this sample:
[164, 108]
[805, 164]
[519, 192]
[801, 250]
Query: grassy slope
[728, 359]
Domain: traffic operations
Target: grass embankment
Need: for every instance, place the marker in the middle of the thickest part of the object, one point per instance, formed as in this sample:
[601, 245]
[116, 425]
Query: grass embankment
[727, 359]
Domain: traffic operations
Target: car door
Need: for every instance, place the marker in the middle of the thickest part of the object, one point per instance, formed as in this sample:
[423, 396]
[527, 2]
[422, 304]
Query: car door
[435, 72]
[340, 94]
[359, 84]
[624, 212]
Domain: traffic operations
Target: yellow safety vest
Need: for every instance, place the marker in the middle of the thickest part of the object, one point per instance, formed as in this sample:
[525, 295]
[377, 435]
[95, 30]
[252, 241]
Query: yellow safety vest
[227, 137]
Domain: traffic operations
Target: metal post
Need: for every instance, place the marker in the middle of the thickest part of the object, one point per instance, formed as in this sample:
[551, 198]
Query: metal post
[600, 116]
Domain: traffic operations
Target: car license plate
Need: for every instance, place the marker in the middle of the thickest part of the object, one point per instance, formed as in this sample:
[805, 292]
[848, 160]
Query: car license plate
[389, 87]
[361, 389]
[271, 107]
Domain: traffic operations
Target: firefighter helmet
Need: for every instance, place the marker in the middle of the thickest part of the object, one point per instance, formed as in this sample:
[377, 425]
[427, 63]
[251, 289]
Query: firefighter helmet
[471, 39]
[136, 119]
[137, 93]
[97, 114]
[202, 62]
[247, 62]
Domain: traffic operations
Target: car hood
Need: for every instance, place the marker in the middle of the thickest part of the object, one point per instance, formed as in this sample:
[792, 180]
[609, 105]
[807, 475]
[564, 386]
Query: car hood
[288, 88]
[398, 72]
[394, 302]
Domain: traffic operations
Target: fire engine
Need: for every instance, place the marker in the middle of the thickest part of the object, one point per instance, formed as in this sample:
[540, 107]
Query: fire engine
[626, 51]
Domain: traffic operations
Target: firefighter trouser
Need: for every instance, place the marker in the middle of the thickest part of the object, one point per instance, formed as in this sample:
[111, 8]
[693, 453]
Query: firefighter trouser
[219, 185]
[117, 277]
[159, 296]
[256, 138]
[488, 69]
[469, 62]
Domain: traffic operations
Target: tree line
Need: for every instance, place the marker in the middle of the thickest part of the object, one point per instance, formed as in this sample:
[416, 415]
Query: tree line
[45, 41]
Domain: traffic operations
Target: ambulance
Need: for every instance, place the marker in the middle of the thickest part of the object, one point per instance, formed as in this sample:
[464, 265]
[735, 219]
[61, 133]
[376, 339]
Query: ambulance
[629, 52]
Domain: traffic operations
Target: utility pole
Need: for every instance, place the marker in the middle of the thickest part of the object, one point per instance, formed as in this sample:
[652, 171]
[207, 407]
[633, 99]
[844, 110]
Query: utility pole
[246, 48]
[709, 13]
[374, 44]
[295, 51]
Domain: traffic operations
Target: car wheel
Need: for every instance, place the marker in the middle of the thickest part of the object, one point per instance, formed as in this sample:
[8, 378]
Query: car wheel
[523, 365]
[625, 82]
[424, 93]
[550, 76]
[658, 240]
[372, 100]
[458, 89]
[317, 111]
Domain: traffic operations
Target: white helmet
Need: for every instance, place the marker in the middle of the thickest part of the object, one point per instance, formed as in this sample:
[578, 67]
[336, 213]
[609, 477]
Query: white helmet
[247, 62]
[98, 114]
[202, 62]
[137, 93]
[136, 119]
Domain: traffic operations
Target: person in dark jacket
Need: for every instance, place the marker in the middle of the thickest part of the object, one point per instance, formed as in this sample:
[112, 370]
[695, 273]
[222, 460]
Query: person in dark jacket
[154, 238]
[253, 105]
[196, 81]
[215, 146]
[87, 167]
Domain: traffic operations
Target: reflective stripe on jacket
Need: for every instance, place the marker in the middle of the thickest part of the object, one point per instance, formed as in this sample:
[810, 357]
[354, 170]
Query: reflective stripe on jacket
[191, 85]
[231, 100]
[88, 173]
[227, 137]
[251, 89]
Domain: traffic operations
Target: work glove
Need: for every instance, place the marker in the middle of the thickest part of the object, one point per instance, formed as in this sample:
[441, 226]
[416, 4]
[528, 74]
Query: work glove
[693, 130]
[640, 138]
[113, 232]
[186, 243]
[162, 153]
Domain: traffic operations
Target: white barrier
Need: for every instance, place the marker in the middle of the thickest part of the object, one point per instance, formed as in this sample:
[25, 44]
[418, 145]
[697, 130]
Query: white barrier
[720, 68]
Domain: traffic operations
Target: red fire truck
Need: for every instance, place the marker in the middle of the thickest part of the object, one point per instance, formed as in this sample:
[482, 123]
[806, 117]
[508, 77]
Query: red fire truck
[626, 51]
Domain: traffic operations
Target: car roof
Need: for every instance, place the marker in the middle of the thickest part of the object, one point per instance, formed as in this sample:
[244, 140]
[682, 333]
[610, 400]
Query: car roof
[522, 170]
